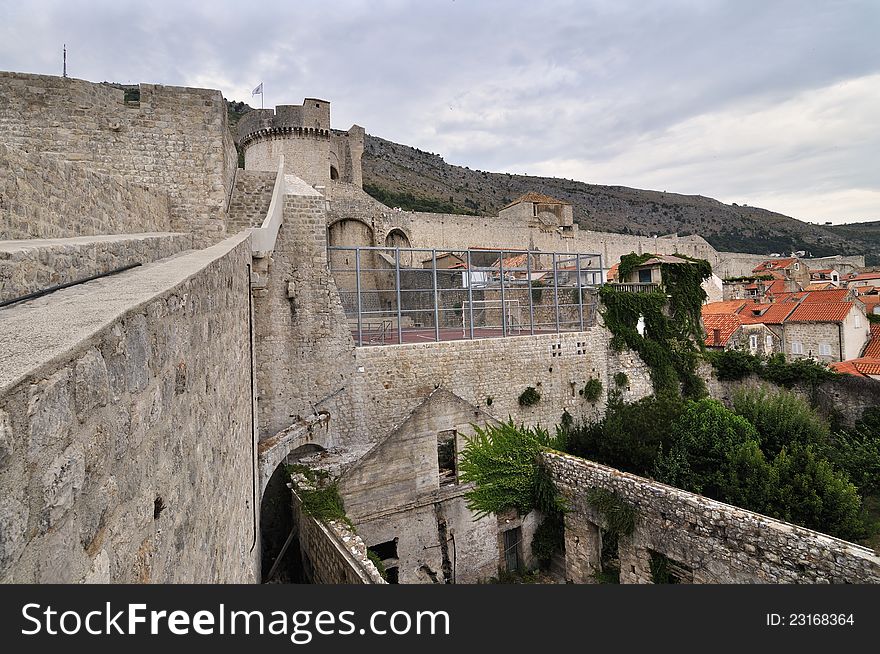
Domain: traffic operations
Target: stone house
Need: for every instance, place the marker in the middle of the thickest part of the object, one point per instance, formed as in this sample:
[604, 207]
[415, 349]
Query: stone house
[790, 268]
[543, 212]
[407, 503]
[826, 331]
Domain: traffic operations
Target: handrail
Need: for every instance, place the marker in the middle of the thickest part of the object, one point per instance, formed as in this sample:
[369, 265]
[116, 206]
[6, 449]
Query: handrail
[263, 237]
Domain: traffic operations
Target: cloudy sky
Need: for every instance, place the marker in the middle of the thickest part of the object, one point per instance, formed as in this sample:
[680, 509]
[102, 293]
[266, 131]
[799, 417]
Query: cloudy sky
[767, 103]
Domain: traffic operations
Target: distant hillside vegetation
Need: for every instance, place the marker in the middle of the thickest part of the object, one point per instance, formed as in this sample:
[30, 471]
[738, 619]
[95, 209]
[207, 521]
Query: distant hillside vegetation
[416, 179]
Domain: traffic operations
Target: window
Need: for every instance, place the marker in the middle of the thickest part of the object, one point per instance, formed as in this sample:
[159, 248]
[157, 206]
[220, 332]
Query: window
[645, 276]
[753, 342]
[824, 349]
[768, 342]
[797, 347]
[446, 457]
[858, 320]
[797, 266]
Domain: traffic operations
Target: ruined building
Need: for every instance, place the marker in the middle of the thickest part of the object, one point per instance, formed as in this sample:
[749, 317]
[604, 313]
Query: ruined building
[214, 323]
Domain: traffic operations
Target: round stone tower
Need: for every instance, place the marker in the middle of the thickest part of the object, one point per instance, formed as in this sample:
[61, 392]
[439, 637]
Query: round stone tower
[312, 151]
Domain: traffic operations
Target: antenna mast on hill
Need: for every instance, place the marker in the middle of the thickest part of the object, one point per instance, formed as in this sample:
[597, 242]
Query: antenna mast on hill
[64, 73]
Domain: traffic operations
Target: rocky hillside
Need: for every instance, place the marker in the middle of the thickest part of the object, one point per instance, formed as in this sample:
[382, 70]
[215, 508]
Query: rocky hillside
[410, 178]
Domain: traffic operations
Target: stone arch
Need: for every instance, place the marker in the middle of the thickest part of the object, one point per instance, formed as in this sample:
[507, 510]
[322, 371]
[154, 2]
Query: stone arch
[397, 238]
[350, 232]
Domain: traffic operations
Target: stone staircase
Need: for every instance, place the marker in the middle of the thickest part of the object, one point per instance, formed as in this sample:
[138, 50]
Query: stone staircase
[251, 197]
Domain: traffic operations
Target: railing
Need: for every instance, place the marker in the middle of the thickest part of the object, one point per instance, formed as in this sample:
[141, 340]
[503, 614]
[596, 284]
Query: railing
[636, 287]
[263, 237]
[416, 295]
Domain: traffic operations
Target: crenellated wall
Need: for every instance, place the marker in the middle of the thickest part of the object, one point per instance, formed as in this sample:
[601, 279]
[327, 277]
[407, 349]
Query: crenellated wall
[174, 140]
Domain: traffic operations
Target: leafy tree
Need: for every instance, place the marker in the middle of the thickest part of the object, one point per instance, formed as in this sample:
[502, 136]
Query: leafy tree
[811, 493]
[711, 442]
[781, 418]
[630, 435]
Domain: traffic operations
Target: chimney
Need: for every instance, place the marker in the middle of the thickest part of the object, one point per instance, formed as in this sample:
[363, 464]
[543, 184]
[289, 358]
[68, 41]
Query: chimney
[716, 336]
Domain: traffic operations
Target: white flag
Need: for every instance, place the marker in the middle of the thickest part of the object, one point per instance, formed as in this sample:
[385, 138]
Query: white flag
[259, 89]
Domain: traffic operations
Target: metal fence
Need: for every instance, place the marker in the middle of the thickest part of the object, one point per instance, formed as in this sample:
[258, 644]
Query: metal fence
[412, 295]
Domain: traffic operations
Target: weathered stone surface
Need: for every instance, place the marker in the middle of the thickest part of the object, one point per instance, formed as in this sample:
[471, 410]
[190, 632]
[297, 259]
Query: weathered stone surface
[7, 444]
[62, 482]
[49, 412]
[91, 384]
[13, 526]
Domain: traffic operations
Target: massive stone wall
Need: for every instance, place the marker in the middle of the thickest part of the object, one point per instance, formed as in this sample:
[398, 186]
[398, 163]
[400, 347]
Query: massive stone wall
[44, 197]
[304, 346]
[391, 381]
[35, 264]
[126, 435]
[174, 139]
[718, 542]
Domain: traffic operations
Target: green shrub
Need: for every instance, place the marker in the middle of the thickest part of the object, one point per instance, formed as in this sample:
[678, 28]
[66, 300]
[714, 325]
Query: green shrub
[857, 453]
[548, 539]
[781, 418]
[529, 397]
[733, 364]
[630, 435]
[592, 390]
[378, 563]
[620, 515]
[811, 493]
[799, 371]
[323, 503]
[621, 379]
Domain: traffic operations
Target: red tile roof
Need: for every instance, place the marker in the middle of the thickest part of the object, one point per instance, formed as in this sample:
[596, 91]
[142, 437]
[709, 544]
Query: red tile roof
[865, 275]
[825, 296]
[728, 306]
[772, 264]
[862, 366]
[872, 349]
[612, 272]
[771, 314]
[821, 312]
[725, 323]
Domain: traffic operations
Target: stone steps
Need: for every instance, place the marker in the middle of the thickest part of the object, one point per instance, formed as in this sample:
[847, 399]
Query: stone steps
[31, 265]
[251, 197]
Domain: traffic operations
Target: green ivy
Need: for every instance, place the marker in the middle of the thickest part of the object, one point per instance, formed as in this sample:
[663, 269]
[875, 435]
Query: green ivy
[620, 516]
[529, 397]
[621, 379]
[592, 390]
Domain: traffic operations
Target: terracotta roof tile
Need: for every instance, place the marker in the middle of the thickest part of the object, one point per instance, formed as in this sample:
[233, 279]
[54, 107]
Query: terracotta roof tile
[862, 366]
[872, 349]
[825, 296]
[772, 264]
[771, 314]
[725, 323]
[728, 306]
[820, 312]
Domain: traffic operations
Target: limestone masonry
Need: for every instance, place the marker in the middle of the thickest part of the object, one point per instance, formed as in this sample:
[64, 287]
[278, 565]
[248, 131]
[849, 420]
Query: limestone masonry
[148, 416]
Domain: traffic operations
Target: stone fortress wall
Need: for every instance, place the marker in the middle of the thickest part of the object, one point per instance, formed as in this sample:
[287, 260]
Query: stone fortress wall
[174, 140]
[127, 449]
[42, 196]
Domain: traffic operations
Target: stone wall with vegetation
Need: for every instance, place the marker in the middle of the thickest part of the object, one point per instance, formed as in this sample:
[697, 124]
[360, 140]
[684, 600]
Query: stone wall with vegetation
[718, 542]
[126, 439]
[331, 552]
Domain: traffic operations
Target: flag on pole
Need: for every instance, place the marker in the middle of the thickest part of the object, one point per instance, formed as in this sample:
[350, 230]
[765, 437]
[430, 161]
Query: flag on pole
[257, 90]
